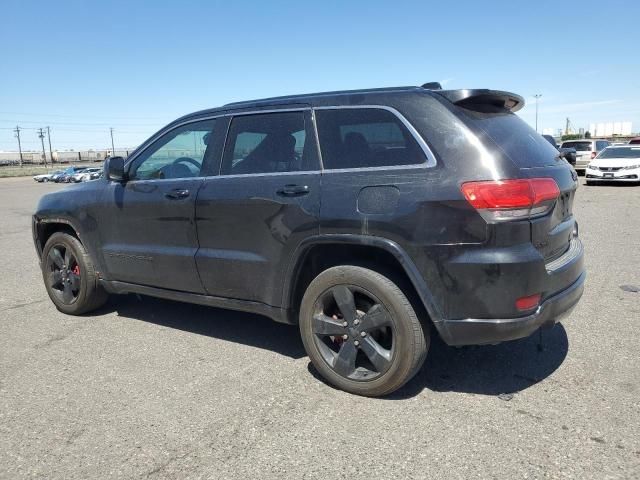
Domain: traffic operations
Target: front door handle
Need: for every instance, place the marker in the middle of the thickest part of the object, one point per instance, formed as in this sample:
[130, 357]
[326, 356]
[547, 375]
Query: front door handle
[177, 194]
[293, 190]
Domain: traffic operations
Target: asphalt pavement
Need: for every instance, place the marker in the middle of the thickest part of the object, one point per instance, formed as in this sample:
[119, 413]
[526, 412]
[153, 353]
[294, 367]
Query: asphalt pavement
[147, 388]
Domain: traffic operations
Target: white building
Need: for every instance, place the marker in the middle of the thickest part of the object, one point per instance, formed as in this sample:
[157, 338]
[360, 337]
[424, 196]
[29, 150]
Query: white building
[607, 129]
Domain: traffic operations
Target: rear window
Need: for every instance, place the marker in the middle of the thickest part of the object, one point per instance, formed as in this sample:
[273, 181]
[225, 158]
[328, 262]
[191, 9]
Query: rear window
[579, 146]
[620, 152]
[365, 137]
[515, 137]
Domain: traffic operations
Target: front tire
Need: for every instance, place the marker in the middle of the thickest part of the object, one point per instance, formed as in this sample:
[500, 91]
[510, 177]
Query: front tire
[361, 332]
[69, 275]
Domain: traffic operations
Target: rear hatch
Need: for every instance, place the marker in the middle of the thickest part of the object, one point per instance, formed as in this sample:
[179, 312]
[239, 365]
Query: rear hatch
[508, 137]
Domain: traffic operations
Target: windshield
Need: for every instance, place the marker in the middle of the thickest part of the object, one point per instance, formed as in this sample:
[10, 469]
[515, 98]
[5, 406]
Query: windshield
[620, 152]
[579, 146]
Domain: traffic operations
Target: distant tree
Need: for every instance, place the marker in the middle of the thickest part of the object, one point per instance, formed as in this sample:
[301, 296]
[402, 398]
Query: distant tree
[572, 136]
[587, 134]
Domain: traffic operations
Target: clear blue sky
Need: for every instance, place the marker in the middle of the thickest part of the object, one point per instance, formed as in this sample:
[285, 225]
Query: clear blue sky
[82, 67]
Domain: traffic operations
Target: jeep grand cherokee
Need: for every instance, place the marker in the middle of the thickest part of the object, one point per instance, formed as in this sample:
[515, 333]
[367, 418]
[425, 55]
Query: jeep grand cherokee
[372, 219]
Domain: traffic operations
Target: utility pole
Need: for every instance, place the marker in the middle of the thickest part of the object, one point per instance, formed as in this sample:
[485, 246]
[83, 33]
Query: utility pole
[41, 135]
[537, 96]
[113, 149]
[17, 131]
[50, 151]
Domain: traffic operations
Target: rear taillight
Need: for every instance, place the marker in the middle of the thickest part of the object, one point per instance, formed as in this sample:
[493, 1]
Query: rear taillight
[593, 155]
[528, 303]
[503, 200]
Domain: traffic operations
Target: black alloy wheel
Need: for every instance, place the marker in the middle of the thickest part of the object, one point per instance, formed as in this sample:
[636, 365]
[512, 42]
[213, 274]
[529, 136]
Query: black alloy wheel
[63, 273]
[353, 332]
[70, 276]
[361, 332]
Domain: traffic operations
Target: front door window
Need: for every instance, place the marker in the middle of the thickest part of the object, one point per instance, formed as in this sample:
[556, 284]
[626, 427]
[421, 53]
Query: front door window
[177, 154]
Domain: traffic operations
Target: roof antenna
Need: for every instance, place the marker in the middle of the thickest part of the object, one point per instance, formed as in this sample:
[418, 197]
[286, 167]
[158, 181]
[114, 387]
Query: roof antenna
[432, 86]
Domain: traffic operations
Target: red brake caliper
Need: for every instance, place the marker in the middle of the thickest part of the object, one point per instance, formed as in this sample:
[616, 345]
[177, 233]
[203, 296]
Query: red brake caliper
[336, 339]
[76, 269]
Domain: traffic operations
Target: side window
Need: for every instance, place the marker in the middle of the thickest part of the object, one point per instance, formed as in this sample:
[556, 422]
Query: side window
[177, 154]
[267, 143]
[601, 145]
[365, 137]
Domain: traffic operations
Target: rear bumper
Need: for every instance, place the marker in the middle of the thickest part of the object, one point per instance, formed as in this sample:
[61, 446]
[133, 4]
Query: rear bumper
[582, 162]
[472, 331]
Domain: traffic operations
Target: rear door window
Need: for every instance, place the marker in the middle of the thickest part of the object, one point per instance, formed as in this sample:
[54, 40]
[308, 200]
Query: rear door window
[268, 143]
[365, 137]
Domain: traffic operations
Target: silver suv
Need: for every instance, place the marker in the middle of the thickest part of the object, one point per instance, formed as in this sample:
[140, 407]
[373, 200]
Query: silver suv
[586, 150]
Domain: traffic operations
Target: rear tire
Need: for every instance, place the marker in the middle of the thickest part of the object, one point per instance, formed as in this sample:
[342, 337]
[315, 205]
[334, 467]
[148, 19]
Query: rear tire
[70, 277]
[361, 332]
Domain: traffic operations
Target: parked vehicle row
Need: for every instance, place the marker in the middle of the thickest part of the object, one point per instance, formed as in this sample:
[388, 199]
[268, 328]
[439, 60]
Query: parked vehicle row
[87, 174]
[70, 175]
[586, 150]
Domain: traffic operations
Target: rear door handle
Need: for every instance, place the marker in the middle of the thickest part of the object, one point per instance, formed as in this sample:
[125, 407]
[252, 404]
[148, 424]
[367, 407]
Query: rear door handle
[293, 190]
[177, 194]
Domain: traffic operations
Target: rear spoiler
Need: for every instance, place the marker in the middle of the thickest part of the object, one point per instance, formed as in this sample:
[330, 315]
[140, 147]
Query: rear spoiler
[481, 98]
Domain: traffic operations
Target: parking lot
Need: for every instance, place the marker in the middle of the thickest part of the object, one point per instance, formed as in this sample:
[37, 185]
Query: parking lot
[153, 388]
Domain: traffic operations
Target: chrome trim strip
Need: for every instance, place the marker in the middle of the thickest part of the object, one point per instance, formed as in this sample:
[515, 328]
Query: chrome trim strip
[314, 126]
[574, 251]
[413, 166]
[268, 174]
[431, 159]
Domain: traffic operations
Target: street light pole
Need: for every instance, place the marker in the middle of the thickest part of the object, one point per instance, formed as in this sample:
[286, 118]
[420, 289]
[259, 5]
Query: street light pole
[537, 96]
[113, 149]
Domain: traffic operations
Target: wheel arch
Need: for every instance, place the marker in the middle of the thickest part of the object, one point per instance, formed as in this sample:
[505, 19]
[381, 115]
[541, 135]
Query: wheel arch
[43, 228]
[318, 253]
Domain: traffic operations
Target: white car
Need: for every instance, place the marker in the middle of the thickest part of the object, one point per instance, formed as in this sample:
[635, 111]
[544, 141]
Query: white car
[617, 164]
[87, 174]
[46, 177]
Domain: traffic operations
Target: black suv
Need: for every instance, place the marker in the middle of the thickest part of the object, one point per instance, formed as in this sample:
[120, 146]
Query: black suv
[370, 218]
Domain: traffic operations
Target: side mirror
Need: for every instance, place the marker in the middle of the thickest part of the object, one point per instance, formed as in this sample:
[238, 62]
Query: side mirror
[114, 169]
[569, 154]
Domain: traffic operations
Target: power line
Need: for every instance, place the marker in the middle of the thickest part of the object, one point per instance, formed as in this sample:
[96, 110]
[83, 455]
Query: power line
[87, 123]
[105, 117]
